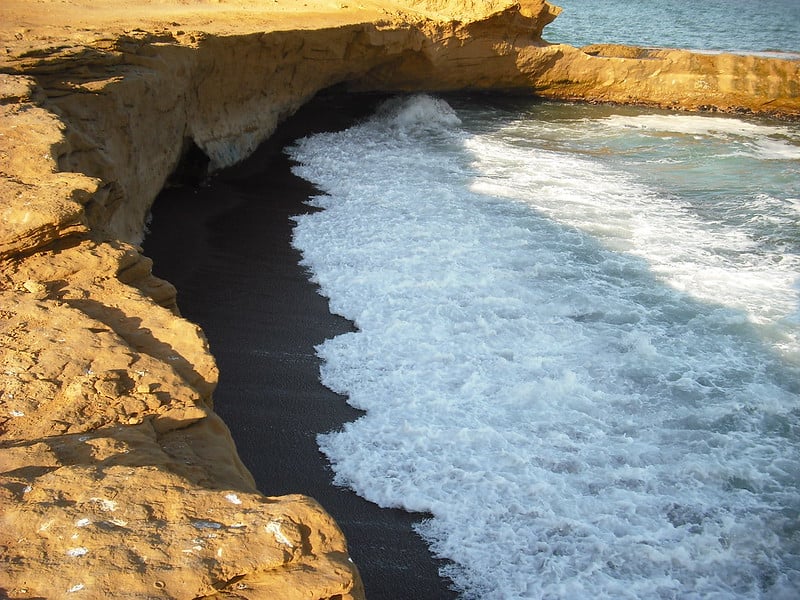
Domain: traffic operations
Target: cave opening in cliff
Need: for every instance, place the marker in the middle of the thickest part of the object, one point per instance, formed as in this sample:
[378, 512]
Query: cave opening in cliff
[192, 167]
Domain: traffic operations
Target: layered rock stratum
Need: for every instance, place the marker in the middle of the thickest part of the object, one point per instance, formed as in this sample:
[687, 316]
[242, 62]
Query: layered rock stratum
[117, 479]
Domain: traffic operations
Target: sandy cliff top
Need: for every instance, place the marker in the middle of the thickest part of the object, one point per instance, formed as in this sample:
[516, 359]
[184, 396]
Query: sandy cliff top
[74, 18]
[34, 23]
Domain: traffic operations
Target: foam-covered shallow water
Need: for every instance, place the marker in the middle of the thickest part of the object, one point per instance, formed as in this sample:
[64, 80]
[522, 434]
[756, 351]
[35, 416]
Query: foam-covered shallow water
[577, 341]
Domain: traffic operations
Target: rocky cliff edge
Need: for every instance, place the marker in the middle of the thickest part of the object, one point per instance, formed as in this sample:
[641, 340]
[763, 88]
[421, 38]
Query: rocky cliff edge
[117, 479]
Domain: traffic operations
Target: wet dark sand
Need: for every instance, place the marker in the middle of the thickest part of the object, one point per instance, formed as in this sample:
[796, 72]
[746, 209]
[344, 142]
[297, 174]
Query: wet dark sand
[226, 247]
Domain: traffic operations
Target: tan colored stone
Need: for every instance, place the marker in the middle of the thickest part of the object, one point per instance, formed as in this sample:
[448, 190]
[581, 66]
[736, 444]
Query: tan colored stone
[111, 510]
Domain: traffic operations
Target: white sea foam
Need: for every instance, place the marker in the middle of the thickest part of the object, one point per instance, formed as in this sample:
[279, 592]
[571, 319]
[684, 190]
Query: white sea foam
[715, 264]
[576, 428]
[761, 140]
[697, 125]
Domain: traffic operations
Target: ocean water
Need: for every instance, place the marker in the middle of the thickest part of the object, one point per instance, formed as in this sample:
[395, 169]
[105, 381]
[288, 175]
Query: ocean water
[578, 341]
[578, 326]
[750, 26]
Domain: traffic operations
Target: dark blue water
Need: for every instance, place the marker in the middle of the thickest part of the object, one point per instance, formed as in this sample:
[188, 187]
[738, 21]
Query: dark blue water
[722, 25]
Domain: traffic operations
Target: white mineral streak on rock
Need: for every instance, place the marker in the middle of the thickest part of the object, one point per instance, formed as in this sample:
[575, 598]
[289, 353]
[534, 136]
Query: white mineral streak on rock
[45, 526]
[232, 498]
[105, 504]
[274, 527]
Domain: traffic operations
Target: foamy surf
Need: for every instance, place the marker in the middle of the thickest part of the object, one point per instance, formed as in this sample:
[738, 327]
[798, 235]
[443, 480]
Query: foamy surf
[760, 140]
[719, 262]
[579, 421]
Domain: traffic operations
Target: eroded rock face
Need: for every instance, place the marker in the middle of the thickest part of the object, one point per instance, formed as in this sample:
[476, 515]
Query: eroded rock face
[505, 51]
[127, 508]
[115, 473]
[675, 79]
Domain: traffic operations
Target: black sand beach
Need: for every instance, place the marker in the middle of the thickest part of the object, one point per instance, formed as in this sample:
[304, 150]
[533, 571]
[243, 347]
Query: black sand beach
[226, 247]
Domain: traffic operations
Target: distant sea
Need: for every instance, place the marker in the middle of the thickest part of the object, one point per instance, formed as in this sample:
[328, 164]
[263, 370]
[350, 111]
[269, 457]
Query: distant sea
[751, 26]
[578, 327]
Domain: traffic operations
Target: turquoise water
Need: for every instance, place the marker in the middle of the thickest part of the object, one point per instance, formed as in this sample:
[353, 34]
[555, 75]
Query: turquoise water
[730, 25]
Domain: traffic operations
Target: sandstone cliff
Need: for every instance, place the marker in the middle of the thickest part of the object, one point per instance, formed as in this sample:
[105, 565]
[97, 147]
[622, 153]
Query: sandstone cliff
[116, 476]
